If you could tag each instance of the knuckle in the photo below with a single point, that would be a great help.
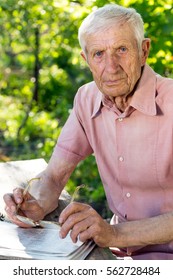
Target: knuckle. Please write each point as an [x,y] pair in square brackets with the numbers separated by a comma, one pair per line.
[76,228]
[82,237]
[17,191]
[70,219]
[92,211]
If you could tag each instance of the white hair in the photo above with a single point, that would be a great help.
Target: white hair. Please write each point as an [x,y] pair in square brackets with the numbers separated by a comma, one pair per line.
[108,15]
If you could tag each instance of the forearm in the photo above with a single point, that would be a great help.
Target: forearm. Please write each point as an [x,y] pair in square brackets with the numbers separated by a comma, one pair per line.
[51,182]
[156,230]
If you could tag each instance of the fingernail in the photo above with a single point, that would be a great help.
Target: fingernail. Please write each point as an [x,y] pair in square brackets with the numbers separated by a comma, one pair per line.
[18,200]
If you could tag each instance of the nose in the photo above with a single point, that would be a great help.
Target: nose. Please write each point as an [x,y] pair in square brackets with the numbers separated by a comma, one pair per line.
[112,63]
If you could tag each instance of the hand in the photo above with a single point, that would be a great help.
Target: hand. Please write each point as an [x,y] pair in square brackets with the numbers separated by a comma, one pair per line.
[29,207]
[85,223]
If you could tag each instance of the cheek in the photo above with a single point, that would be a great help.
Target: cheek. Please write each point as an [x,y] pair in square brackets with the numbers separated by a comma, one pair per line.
[134,70]
[134,77]
[96,68]
[97,71]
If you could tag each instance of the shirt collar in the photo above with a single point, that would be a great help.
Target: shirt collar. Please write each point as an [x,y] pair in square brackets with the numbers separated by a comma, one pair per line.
[143,99]
[98,105]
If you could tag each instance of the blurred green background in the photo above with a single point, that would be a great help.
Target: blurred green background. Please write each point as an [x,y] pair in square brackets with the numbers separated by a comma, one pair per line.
[41,70]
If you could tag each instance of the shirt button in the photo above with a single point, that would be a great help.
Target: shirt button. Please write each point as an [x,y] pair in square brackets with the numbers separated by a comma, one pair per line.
[128,195]
[121,158]
[120,119]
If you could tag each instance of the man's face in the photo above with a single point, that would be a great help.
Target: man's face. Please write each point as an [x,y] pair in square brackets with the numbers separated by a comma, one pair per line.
[115,60]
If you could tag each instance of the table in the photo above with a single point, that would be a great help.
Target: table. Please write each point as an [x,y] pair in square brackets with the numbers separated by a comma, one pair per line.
[17,173]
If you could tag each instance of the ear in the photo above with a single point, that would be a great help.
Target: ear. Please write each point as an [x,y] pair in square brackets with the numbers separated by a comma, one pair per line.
[145,50]
[83,55]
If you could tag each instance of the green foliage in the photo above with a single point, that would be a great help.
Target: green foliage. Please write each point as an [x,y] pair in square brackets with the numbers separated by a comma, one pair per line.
[87,173]
[158,18]
[41,70]
[37,138]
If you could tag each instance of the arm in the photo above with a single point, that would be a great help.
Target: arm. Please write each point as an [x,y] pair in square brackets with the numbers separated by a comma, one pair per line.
[48,189]
[43,194]
[86,223]
[149,231]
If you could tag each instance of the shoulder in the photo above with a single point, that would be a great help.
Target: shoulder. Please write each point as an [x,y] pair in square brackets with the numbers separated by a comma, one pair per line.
[164,85]
[164,91]
[88,92]
[87,97]
[87,101]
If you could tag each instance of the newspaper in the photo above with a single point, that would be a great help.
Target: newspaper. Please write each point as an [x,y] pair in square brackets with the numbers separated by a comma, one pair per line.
[39,243]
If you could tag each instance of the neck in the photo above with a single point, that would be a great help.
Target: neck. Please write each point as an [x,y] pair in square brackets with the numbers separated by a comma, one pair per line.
[122,102]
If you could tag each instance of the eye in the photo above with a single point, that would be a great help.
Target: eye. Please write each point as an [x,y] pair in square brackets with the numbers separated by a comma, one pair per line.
[122,50]
[98,54]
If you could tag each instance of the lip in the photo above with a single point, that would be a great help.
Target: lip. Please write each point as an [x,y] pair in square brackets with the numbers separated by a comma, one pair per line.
[112,82]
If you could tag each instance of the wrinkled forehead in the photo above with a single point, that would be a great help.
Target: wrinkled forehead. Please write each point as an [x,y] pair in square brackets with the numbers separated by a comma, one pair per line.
[112,35]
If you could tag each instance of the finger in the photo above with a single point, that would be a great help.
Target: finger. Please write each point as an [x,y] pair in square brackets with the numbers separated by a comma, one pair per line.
[30,205]
[101,233]
[79,229]
[18,195]
[75,227]
[85,235]
[10,203]
[19,223]
[29,208]
[72,208]
[77,221]
[12,217]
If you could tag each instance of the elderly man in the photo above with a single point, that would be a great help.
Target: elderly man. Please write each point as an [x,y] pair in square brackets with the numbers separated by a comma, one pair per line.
[124,117]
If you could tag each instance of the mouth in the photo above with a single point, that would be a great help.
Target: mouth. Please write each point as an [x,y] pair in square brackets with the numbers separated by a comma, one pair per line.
[113,82]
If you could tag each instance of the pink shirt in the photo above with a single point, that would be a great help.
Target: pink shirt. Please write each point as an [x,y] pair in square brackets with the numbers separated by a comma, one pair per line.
[133,150]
